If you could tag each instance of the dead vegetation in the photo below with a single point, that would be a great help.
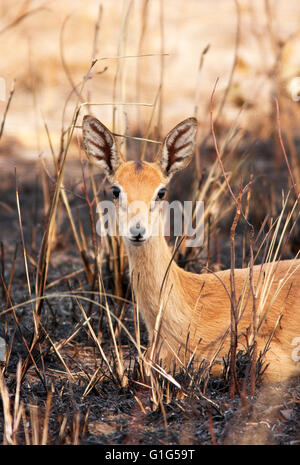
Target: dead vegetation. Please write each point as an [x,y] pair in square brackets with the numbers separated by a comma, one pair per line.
[72,366]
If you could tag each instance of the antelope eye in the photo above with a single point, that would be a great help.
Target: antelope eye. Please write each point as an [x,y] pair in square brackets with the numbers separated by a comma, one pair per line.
[161,193]
[116,192]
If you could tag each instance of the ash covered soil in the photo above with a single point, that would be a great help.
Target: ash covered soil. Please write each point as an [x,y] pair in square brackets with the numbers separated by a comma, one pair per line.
[88,403]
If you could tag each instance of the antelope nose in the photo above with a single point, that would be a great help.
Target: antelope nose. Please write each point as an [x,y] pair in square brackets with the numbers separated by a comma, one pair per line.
[137,231]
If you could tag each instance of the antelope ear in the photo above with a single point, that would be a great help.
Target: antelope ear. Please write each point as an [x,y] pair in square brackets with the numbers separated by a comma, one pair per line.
[100,145]
[178,147]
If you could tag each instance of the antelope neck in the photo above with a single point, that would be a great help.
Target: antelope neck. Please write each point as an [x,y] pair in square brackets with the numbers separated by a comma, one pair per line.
[151,260]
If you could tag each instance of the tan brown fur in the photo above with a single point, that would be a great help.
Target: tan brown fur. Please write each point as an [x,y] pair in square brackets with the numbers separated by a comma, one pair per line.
[197,307]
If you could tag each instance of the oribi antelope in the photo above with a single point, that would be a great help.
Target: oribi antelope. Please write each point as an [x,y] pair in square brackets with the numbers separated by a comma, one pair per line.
[194,309]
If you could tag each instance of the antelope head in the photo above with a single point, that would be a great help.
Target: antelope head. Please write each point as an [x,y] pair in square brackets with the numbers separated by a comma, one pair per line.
[139,187]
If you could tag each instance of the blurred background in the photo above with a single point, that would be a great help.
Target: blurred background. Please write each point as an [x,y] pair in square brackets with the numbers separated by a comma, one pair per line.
[166,52]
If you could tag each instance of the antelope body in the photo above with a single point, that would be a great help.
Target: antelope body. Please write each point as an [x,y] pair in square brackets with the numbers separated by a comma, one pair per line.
[187,313]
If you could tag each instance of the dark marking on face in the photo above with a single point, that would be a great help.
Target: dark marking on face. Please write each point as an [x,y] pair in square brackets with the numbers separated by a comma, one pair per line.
[138,165]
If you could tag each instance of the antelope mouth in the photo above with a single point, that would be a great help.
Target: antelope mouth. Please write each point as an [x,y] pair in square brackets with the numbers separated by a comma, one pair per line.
[137,242]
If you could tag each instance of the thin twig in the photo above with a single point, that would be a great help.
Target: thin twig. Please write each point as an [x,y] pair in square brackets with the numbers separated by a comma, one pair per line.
[237,41]
[12,91]
[63,60]
[216,145]
[234,304]
[283,148]
[16,21]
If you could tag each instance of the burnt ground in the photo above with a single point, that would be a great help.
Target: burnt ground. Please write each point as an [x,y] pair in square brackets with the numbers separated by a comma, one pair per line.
[109,413]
